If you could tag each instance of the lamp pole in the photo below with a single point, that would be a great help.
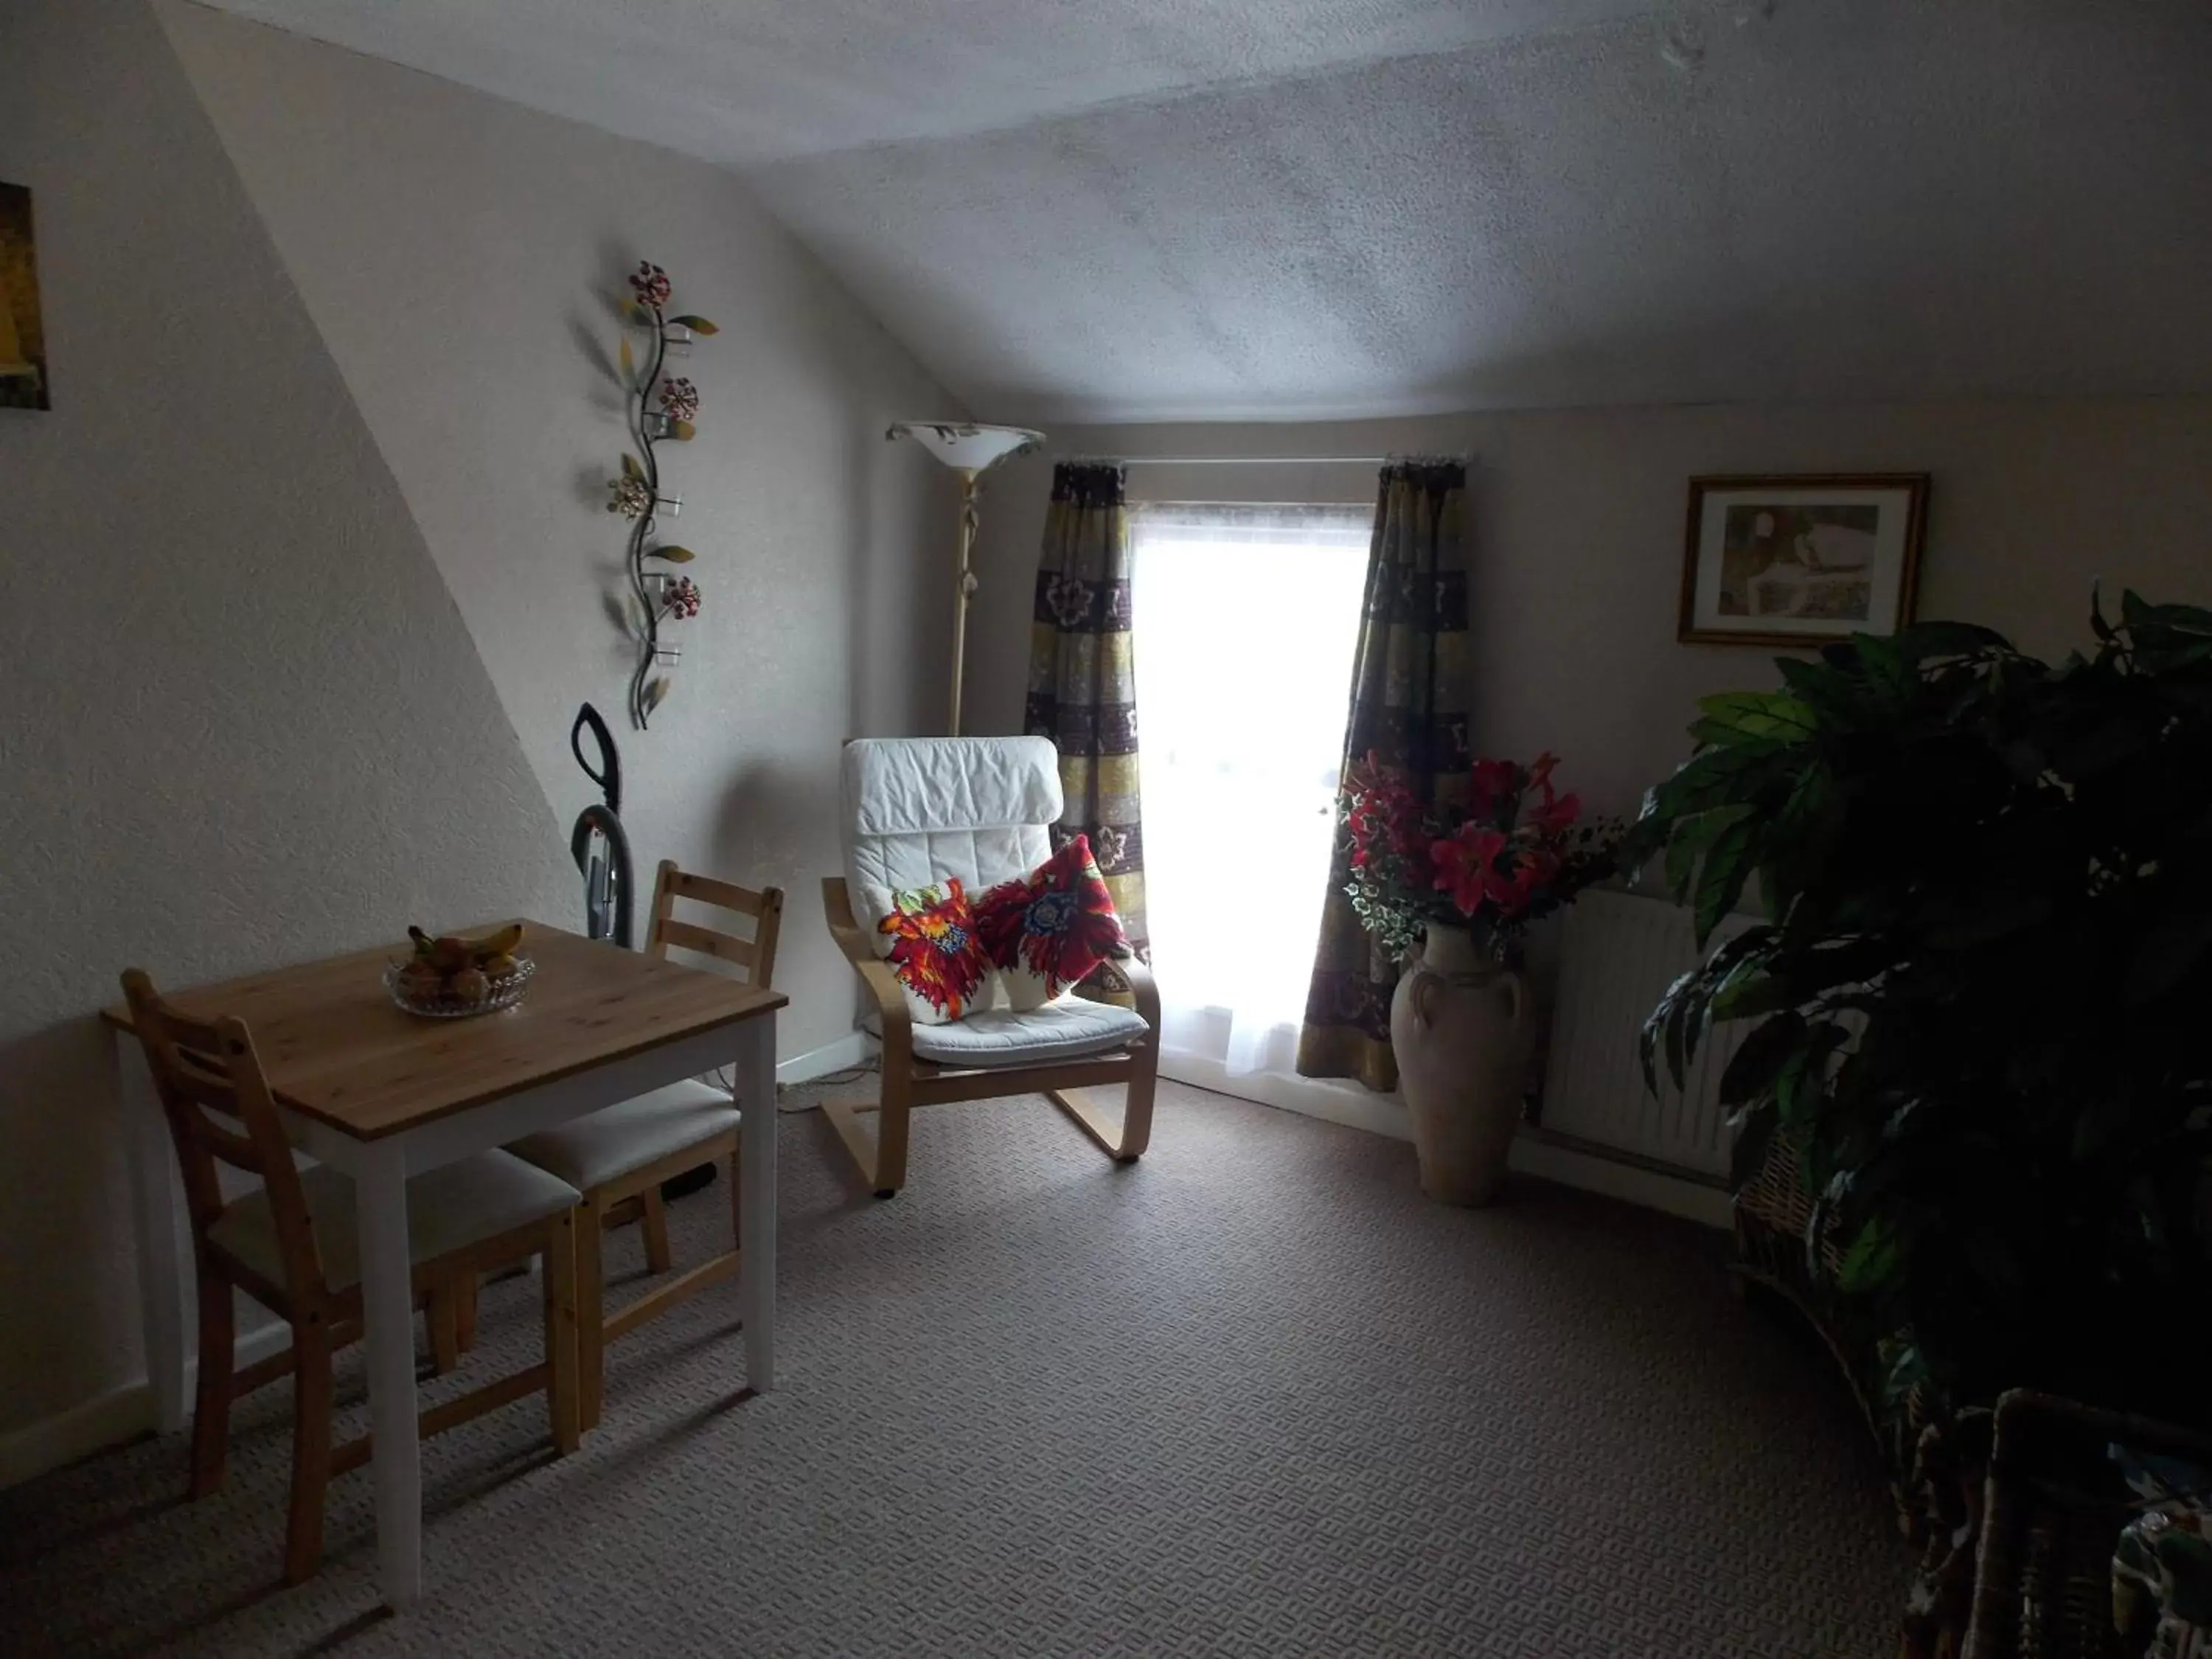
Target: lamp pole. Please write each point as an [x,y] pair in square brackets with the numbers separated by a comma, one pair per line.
[969,451]
[964,585]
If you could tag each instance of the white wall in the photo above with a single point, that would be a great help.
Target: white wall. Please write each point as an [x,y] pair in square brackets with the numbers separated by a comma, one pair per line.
[241,722]
[1577,541]
[461,257]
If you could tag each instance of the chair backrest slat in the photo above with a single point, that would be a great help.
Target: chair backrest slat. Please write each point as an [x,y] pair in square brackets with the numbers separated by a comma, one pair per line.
[725,895]
[705,940]
[765,907]
[209,1078]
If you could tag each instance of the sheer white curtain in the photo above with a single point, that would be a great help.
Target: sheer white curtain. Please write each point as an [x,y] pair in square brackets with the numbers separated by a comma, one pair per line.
[1246,618]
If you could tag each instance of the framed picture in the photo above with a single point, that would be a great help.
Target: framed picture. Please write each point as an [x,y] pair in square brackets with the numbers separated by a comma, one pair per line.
[1796,560]
[22,331]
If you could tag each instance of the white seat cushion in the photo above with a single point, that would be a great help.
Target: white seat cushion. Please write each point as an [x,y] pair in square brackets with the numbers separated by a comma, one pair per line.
[590,1151]
[1025,1036]
[447,1208]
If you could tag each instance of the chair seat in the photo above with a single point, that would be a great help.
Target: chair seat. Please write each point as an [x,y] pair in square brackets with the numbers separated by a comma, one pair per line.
[1066,1029]
[610,1143]
[447,1209]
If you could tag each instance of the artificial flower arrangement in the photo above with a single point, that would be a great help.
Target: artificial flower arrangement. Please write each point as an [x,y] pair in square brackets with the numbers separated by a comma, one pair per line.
[1516,851]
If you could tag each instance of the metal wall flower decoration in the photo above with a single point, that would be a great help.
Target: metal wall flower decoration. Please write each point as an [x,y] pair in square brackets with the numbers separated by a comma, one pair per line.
[661,408]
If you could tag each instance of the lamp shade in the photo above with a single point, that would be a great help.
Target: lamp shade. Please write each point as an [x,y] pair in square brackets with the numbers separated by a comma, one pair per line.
[965,445]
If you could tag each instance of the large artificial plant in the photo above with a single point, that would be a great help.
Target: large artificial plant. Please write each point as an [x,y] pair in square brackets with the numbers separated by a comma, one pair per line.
[1984,987]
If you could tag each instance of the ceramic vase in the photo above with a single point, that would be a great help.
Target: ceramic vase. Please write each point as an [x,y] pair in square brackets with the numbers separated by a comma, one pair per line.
[1463,1032]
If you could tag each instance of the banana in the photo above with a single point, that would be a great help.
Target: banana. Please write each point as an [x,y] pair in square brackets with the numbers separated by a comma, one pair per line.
[500,943]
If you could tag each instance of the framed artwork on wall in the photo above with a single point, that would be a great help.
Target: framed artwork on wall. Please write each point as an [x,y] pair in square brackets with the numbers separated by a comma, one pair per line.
[22,329]
[1798,559]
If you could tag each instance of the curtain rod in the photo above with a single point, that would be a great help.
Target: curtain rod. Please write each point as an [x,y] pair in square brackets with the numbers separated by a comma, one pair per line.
[1254,460]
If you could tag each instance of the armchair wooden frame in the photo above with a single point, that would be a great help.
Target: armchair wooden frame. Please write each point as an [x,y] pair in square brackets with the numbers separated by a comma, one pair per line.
[206,1072]
[880,1154]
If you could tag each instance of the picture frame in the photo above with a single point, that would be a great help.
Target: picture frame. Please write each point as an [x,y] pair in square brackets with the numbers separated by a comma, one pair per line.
[1800,558]
[23,380]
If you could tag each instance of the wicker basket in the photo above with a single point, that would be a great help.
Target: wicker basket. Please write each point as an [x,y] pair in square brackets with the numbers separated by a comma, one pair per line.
[2055,1503]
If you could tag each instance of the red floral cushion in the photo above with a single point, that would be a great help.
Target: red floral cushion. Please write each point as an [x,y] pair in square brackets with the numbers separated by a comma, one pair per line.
[935,952]
[1046,931]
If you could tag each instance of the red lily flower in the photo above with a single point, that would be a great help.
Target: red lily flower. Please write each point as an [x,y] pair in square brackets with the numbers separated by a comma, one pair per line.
[1494,783]
[1462,862]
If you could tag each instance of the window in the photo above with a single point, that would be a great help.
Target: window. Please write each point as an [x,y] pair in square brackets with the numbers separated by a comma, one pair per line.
[1246,618]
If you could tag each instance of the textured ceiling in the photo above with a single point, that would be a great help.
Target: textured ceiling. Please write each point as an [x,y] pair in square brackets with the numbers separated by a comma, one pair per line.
[1283,209]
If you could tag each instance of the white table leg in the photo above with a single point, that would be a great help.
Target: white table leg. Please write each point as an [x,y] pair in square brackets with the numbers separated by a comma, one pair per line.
[756,1076]
[387,1309]
[165,1289]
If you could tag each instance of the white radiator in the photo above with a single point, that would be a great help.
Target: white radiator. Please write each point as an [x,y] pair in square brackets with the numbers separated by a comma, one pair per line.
[1620,952]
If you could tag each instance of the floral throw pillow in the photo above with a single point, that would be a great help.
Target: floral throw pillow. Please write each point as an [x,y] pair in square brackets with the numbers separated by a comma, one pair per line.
[934,952]
[1046,931]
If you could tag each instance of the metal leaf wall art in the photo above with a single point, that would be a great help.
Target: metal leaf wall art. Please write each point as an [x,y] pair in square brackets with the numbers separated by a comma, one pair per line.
[661,408]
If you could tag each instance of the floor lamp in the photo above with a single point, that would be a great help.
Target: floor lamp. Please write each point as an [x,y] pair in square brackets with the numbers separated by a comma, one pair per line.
[971,451]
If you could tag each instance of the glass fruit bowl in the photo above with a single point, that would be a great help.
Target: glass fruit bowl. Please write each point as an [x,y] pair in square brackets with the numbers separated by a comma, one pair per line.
[501,991]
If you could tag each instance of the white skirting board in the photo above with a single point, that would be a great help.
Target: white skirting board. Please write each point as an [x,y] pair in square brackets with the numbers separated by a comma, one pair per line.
[122,1413]
[1385,1114]
[1310,1096]
[849,1050]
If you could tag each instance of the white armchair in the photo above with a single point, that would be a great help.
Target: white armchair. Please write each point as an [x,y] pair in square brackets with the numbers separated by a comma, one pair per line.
[918,810]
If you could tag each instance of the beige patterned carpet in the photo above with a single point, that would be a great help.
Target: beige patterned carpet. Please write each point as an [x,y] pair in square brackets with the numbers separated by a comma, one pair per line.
[1253,1396]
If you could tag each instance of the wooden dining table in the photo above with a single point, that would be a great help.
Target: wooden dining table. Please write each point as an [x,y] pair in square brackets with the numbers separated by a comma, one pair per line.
[383,1095]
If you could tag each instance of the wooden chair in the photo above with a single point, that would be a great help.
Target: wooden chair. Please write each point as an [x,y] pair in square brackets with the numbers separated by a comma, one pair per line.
[619,1157]
[917,811]
[292,1247]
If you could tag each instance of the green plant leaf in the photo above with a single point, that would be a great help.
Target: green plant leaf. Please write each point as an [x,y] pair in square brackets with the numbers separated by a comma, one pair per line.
[656,694]
[1870,1260]
[631,467]
[673,555]
[1753,996]
[682,431]
[1771,1045]
[1773,714]
[697,325]
[1693,836]
[1654,1039]
[1726,867]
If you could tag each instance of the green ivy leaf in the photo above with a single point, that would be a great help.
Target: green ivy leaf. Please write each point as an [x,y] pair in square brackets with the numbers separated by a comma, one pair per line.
[697,325]
[673,555]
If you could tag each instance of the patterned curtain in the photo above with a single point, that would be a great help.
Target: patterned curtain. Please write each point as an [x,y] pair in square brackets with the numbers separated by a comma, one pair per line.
[1083,687]
[1409,705]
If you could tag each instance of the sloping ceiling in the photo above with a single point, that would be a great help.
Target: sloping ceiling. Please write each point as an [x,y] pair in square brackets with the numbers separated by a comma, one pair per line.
[1286,208]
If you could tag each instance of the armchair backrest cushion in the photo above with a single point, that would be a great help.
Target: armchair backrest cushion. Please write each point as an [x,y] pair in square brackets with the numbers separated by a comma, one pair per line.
[919,809]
